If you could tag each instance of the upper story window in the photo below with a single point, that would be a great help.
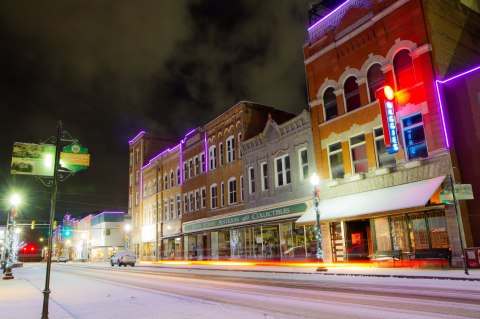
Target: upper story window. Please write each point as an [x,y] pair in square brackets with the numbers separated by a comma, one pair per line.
[130,180]
[197,165]
[240,145]
[131,159]
[202,163]
[191,202]
[136,199]
[178,175]
[230,149]
[242,199]
[159,183]
[220,154]
[303,161]
[137,177]
[403,68]
[335,156]
[185,203]
[213,196]
[264,170]
[232,191]
[172,179]
[414,136]
[282,169]
[358,151]
[330,104]
[190,168]
[352,94]
[172,208]
[203,195]
[138,156]
[165,209]
[165,182]
[222,194]
[185,170]
[212,157]
[251,180]
[375,80]
[179,208]
[383,158]
[197,200]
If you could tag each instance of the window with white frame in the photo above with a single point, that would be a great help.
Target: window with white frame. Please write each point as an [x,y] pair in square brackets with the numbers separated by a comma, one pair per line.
[230,149]
[138,155]
[202,163]
[239,145]
[179,206]
[190,167]
[165,209]
[165,181]
[145,190]
[172,179]
[131,159]
[213,196]
[130,200]
[303,160]
[137,177]
[414,136]
[220,151]
[264,172]
[242,196]
[282,169]
[172,208]
[178,176]
[383,158]
[185,203]
[251,180]
[203,194]
[222,194]
[191,202]
[185,170]
[197,165]
[335,156]
[136,199]
[197,200]
[212,157]
[232,191]
[130,180]
[358,153]
[159,182]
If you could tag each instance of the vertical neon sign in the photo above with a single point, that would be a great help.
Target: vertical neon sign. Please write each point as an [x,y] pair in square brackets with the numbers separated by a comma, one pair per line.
[386,99]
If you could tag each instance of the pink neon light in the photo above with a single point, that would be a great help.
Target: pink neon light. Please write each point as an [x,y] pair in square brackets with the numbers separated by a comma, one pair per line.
[181,163]
[325,17]
[137,136]
[440,100]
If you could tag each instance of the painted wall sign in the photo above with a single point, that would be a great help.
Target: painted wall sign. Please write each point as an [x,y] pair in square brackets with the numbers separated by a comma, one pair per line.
[244,218]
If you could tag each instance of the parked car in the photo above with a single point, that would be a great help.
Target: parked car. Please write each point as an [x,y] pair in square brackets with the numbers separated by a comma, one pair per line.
[62,259]
[124,258]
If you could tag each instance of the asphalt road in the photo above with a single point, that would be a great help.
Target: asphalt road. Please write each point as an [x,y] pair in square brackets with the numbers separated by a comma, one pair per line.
[260,294]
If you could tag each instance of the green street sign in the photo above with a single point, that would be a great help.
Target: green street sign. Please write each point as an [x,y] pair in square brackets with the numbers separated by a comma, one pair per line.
[74,157]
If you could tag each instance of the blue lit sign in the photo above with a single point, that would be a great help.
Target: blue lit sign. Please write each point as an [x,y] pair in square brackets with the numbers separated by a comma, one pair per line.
[392,127]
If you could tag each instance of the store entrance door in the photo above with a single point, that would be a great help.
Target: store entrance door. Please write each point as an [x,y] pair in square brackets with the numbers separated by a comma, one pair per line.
[357,239]
[271,245]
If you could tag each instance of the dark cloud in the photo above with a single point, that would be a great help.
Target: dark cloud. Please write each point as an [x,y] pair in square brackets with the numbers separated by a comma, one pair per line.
[110,69]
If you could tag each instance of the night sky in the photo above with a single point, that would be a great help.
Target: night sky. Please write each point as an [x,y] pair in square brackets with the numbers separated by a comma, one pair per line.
[109,69]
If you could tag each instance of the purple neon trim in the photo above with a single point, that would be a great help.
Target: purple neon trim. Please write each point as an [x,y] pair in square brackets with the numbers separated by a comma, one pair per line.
[440,100]
[460,75]
[181,163]
[112,213]
[138,135]
[441,113]
[191,132]
[335,10]
[205,148]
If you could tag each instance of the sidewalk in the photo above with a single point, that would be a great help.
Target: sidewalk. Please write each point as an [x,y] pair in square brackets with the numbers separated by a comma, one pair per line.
[365,270]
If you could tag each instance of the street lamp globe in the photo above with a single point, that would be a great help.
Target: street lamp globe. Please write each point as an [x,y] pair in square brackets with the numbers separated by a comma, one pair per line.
[15,200]
[314,180]
[127,227]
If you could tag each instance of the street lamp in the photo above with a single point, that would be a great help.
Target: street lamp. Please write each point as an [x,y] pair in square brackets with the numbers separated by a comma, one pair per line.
[127,228]
[8,253]
[316,198]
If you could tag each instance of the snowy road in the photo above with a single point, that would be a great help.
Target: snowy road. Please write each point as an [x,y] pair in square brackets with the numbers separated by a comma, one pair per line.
[93,291]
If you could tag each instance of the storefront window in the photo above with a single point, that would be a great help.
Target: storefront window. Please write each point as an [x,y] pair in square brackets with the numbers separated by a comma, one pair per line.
[224,244]
[399,233]
[418,231]
[437,225]
[382,234]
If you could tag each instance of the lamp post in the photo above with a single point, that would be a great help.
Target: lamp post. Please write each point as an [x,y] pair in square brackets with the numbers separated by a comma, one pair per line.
[127,228]
[8,256]
[316,198]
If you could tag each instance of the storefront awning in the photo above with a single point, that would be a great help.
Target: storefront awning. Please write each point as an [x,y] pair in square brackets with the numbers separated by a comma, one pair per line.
[403,196]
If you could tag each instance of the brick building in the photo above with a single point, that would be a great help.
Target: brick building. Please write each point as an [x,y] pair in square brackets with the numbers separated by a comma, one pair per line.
[373,198]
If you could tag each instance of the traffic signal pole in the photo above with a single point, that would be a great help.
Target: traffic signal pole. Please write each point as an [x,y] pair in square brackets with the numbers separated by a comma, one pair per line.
[46,291]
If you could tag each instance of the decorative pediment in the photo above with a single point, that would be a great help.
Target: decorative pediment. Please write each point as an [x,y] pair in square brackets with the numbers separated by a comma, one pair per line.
[271,131]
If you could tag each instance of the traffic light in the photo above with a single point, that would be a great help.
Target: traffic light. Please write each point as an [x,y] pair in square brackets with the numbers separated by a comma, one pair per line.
[54,224]
[32,226]
[387,102]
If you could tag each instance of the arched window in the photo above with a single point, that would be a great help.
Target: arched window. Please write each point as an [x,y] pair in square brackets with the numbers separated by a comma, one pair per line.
[330,104]
[352,94]
[375,80]
[403,68]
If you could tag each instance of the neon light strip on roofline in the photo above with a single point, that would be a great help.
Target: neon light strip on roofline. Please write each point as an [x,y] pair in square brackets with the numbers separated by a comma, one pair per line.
[440,100]
[328,15]
[137,136]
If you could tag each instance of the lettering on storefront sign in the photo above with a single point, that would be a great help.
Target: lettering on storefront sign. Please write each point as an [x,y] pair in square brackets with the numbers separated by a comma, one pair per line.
[248,217]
